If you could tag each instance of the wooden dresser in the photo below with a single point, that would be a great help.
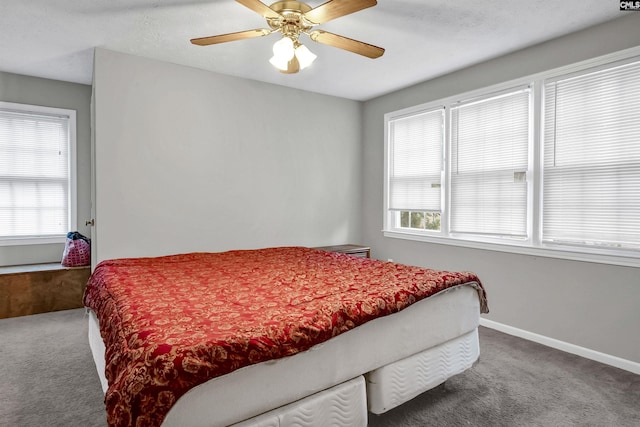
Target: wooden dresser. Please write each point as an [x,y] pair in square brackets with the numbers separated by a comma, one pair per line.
[355,250]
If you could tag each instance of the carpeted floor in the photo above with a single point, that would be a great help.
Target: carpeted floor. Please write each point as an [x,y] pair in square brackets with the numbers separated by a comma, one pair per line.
[47,378]
[47,375]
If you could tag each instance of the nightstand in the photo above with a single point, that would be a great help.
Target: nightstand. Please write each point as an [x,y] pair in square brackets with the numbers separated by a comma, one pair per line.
[355,250]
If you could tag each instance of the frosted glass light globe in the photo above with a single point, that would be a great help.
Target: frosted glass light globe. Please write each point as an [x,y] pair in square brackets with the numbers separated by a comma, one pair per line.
[283,49]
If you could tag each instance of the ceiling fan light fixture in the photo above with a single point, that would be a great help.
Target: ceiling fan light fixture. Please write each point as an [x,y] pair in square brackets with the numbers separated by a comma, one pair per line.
[279,63]
[293,66]
[305,56]
[283,49]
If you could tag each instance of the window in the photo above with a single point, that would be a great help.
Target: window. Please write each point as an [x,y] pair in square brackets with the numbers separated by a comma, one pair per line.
[591,186]
[415,171]
[37,173]
[489,165]
[489,170]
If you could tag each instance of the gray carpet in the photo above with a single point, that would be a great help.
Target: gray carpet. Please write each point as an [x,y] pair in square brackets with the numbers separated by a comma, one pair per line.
[47,378]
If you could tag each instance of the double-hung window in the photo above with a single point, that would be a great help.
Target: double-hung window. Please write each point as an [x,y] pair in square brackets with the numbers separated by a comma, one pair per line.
[415,169]
[546,165]
[37,173]
[489,165]
[591,184]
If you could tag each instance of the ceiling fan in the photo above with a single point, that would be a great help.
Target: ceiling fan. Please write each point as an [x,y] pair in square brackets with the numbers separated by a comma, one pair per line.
[293,18]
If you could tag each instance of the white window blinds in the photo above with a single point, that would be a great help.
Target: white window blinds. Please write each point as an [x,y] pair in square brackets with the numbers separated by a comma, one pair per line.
[489,165]
[591,181]
[415,166]
[34,174]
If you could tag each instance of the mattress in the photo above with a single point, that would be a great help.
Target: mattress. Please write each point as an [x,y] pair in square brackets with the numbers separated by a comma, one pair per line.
[259,388]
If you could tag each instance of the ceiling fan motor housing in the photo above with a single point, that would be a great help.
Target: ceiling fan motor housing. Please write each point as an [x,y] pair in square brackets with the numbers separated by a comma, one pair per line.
[292,21]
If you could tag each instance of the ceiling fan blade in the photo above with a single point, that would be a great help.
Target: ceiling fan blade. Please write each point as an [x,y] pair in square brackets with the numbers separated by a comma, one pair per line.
[341,42]
[223,38]
[259,7]
[336,8]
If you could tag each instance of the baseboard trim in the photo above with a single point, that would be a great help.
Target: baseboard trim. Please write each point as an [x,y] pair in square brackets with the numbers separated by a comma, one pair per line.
[607,359]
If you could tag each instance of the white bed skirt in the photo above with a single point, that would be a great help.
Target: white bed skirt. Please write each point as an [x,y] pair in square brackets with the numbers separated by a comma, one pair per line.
[401,381]
[257,389]
[341,405]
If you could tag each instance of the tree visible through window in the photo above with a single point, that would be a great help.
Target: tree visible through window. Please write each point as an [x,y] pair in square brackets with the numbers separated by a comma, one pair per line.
[420,220]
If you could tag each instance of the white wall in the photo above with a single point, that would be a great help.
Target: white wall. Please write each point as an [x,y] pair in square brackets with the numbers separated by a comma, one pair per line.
[53,93]
[188,160]
[590,305]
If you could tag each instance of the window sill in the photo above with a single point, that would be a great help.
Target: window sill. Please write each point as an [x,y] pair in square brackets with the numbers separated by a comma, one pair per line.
[30,268]
[559,253]
[32,241]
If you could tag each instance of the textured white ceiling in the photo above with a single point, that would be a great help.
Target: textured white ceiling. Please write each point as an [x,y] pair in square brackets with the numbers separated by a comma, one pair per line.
[423,38]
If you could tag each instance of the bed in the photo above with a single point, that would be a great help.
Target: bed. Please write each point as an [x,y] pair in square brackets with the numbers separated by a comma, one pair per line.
[308,337]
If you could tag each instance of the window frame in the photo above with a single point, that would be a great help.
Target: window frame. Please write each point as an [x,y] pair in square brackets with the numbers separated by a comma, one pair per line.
[72,166]
[433,107]
[533,245]
[488,96]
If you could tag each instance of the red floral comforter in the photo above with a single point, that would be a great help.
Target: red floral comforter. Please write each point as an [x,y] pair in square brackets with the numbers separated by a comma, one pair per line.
[171,323]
